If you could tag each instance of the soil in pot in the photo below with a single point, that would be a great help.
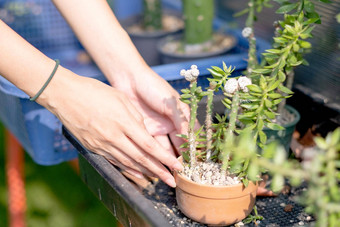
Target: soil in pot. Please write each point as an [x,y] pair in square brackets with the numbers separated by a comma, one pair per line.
[216,200]
[173,49]
[146,40]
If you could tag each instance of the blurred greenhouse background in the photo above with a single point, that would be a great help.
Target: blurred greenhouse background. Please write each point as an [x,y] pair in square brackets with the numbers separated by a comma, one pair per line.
[56,196]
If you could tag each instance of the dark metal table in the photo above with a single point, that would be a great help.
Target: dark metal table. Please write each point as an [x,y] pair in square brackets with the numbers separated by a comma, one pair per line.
[156,205]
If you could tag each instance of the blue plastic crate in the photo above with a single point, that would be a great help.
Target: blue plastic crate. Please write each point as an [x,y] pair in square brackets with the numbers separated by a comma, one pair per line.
[38,130]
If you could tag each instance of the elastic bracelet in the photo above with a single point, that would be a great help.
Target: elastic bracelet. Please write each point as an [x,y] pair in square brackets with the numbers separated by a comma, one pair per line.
[47,82]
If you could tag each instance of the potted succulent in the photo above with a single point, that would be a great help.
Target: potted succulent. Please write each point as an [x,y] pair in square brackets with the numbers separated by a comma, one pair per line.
[153,24]
[253,104]
[198,39]
[212,179]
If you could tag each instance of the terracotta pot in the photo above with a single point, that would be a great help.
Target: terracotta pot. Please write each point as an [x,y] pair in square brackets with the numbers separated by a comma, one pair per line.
[214,205]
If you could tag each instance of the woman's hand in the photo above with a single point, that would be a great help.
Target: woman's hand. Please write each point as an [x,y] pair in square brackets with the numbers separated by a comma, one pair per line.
[163,112]
[107,123]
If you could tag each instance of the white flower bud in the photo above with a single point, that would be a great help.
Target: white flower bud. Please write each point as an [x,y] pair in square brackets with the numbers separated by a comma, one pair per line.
[247,31]
[188,76]
[195,72]
[193,67]
[231,86]
[182,73]
[243,82]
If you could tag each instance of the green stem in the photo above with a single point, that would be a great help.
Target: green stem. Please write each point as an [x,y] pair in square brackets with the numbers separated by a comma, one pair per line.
[233,114]
[252,59]
[152,15]
[289,84]
[208,122]
[193,115]
[231,128]
[198,17]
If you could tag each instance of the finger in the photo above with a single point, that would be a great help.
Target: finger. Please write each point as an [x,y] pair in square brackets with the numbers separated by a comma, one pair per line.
[123,161]
[165,142]
[179,114]
[127,169]
[148,144]
[148,161]
[264,192]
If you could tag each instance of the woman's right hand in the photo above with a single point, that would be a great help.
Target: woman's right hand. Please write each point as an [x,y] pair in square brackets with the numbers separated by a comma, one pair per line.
[107,123]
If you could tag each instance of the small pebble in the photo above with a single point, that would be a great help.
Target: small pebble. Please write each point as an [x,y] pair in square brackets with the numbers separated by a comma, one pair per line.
[288,208]
[301,223]
[308,218]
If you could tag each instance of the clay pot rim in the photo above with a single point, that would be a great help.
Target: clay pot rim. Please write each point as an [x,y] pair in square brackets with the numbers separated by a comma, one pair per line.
[207,185]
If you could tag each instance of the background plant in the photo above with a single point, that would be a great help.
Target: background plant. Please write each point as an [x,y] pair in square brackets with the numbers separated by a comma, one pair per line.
[152,15]
[321,173]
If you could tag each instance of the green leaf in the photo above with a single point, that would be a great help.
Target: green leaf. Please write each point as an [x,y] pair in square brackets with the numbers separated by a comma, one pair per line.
[282,76]
[215,74]
[250,106]
[305,44]
[309,7]
[254,88]
[199,130]
[186,96]
[227,100]
[242,12]
[277,182]
[184,145]
[282,63]
[286,8]
[245,182]
[218,69]
[227,105]
[290,29]
[274,95]
[263,137]
[274,51]
[186,156]
[274,126]
[268,103]
[274,85]
[261,71]
[276,101]
[285,90]
[321,143]
[186,101]
[269,114]
[182,136]
[185,91]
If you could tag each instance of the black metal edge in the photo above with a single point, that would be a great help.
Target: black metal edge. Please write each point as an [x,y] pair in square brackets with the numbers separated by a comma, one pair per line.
[119,183]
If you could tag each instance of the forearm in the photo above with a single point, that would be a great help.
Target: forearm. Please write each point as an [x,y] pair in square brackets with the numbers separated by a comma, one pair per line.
[28,68]
[101,34]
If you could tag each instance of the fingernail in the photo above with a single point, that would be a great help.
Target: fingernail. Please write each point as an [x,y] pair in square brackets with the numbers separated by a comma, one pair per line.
[178,166]
[171,182]
[139,175]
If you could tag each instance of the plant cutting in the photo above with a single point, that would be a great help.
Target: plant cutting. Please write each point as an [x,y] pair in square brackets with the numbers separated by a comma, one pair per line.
[198,40]
[153,24]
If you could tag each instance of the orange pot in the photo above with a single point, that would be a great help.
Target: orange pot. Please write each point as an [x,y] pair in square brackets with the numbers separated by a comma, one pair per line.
[214,205]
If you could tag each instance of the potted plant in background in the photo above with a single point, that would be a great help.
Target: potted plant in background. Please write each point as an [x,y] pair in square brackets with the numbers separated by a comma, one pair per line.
[288,48]
[153,24]
[199,40]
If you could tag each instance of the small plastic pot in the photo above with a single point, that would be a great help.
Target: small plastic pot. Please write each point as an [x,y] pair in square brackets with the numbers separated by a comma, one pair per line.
[214,205]
[284,136]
